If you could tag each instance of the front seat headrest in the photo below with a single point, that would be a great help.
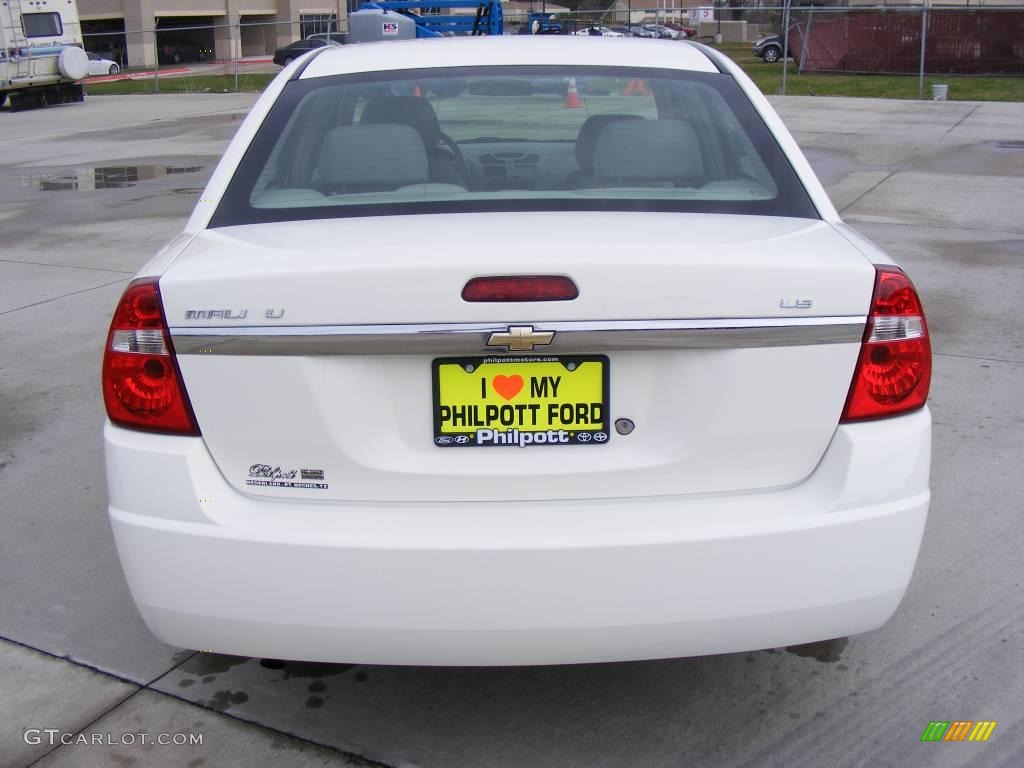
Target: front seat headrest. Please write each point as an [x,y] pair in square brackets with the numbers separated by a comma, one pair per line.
[413,111]
[372,157]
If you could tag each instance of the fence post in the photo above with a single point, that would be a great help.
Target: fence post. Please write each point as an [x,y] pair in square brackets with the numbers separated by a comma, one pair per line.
[156,62]
[924,39]
[807,39]
[785,45]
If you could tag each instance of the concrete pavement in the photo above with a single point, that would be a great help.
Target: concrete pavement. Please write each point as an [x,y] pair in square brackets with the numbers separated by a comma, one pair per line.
[931,182]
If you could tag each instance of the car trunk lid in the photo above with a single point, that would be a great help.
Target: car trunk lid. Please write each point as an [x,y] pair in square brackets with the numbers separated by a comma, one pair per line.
[308,349]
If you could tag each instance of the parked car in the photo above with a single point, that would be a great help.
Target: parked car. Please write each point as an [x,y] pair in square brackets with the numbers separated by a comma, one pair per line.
[680,30]
[633,31]
[435,384]
[598,31]
[637,30]
[663,32]
[183,51]
[769,48]
[286,55]
[101,66]
[341,38]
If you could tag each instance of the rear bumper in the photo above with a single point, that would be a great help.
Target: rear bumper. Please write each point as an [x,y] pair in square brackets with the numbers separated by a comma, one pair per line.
[519,583]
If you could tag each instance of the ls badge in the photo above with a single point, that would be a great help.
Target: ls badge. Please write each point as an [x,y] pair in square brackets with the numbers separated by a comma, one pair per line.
[796,303]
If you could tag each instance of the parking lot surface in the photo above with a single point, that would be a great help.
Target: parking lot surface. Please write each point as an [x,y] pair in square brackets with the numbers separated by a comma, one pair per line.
[88,192]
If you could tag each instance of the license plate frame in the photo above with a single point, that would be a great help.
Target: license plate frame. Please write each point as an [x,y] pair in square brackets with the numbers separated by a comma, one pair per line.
[528,368]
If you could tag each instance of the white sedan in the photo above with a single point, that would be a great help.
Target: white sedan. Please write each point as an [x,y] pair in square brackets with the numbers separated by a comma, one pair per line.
[100,66]
[598,32]
[478,379]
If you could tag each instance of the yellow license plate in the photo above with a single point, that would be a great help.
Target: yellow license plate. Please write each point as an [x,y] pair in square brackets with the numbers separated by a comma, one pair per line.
[521,401]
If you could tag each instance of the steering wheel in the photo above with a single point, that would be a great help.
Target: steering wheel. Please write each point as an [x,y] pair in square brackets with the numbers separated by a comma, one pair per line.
[460,161]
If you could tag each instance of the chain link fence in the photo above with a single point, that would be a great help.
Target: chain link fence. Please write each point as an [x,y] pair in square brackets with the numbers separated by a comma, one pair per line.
[823,38]
[901,40]
[193,53]
[976,41]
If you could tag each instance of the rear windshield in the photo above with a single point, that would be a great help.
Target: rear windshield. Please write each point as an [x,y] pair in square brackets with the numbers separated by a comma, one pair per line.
[511,138]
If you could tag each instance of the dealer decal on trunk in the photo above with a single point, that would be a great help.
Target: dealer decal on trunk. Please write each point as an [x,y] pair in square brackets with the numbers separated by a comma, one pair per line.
[268,475]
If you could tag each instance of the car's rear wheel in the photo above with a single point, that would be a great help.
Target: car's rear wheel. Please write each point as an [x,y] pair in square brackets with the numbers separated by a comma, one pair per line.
[114,69]
[771,54]
[288,60]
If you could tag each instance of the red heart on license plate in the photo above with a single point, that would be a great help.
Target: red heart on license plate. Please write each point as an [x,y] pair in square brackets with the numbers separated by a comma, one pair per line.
[507,386]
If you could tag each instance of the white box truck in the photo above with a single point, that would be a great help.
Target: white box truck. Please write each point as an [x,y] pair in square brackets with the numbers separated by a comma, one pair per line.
[41,56]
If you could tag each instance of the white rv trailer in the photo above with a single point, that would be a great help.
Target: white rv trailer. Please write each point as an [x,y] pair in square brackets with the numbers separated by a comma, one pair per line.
[41,56]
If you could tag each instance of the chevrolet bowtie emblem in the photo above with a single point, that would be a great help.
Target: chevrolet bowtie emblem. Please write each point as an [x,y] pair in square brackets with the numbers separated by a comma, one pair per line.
[520,338]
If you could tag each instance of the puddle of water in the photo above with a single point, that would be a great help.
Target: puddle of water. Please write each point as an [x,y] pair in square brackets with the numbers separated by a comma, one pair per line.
[207,664]
[103,177]
[224,699]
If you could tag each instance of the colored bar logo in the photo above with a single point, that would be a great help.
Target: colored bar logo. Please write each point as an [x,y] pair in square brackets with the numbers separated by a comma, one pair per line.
[958,730]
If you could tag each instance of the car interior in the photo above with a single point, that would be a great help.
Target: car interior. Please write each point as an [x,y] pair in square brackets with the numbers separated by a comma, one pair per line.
[511,137]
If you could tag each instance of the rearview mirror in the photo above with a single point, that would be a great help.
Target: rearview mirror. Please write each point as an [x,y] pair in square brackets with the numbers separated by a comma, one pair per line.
[500,88]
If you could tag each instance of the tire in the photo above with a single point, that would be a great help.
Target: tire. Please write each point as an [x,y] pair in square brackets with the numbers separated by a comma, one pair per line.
[114,69]
[73,63]
[771,54]
[288,61]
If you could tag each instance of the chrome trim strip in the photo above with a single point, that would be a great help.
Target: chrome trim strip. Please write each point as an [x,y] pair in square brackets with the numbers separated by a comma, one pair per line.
[574,336]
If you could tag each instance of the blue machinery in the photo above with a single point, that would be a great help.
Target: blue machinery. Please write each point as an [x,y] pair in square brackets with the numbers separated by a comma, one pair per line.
[543,24]
[485,19]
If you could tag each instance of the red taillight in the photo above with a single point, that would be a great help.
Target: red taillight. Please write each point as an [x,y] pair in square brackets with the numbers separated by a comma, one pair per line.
[520,288]
[142,386]
[895,365]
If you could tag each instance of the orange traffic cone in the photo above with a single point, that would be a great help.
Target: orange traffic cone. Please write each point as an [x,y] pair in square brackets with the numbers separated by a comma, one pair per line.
[416,91]
[572,98]
[635,88]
